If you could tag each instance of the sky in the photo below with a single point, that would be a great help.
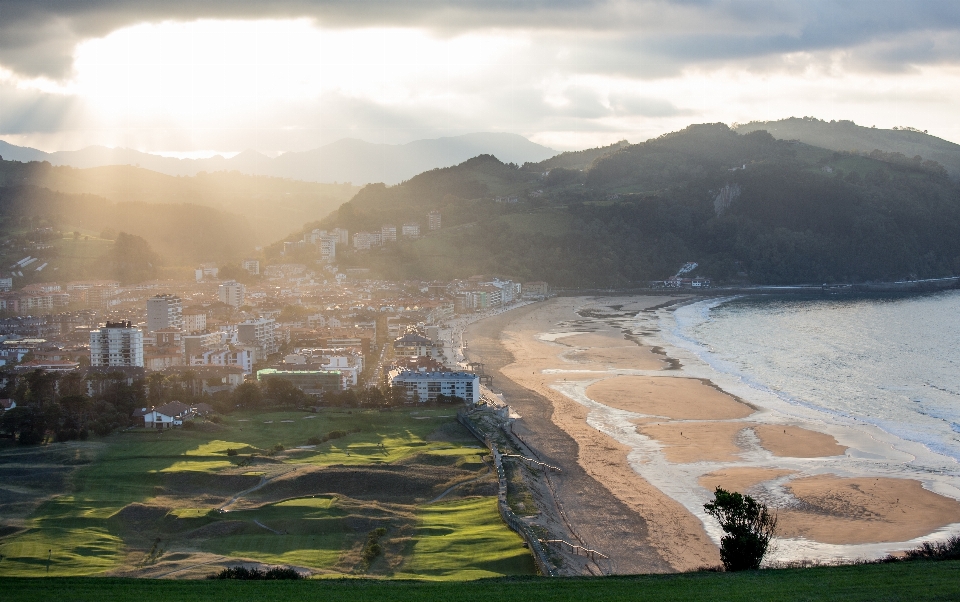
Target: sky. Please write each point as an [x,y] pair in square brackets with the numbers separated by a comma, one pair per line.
[198,77]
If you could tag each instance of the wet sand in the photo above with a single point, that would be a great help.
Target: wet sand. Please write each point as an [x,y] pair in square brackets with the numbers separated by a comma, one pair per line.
[864,510]
[689,422]
[797,442]
[676,398]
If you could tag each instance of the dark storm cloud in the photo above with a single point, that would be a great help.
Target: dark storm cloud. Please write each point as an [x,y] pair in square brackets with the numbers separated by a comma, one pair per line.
[646,37]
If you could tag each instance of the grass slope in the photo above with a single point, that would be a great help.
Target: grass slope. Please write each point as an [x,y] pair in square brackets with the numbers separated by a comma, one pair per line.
[916,582]
[144,487]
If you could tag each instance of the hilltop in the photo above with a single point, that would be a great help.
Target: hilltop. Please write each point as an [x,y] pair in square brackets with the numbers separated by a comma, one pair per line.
[847,136]
[747,207]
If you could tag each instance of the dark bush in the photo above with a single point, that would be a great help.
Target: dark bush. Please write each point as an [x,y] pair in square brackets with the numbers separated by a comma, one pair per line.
[245,574]
[314,441]
[942,550]
[748,526]
[231,452]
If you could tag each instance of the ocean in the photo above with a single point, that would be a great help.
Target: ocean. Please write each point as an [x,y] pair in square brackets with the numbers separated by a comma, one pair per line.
[889,362]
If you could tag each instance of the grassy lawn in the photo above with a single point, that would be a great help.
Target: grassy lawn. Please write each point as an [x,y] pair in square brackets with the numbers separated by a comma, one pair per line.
[84,532]
[914,582]
[465,539]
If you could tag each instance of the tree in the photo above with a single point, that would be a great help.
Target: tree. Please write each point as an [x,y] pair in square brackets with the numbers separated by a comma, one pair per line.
[748,525]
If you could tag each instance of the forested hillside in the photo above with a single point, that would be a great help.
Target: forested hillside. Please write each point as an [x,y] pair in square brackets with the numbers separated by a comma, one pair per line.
[748,208]
[846,135]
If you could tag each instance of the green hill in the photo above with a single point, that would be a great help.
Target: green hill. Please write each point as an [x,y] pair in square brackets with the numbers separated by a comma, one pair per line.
[847,136]
[746,207]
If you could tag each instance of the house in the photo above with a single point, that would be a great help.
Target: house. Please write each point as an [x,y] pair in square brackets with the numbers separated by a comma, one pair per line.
[7,404]
[168,415]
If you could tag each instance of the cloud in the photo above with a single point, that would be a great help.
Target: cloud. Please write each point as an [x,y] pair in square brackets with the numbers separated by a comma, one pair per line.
[644,37]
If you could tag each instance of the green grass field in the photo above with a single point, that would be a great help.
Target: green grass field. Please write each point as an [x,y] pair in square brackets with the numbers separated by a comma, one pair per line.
[122,500]
[914,582]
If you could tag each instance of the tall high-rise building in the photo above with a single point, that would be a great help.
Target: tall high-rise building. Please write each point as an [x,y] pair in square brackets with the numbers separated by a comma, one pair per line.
[116,344]
[433,219]
[231,293]
[164,311]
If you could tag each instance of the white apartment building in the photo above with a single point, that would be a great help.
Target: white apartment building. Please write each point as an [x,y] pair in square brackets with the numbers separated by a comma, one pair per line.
[411,230]
[328,246]
[240,357]
[251,265]
[388,234]
[260,332]
[433,220]
[164,311]
[424,386]
[365,240]
[231,293]
[194,321]
[116,344]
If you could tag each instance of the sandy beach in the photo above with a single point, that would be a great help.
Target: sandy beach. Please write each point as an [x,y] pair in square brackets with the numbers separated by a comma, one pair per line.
[655,441]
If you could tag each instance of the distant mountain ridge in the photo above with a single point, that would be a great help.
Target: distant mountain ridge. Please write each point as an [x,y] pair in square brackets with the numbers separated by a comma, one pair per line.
[346,160]
[846,135]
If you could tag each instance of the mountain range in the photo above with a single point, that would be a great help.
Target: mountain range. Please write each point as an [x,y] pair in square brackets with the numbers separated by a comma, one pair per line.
[346,160]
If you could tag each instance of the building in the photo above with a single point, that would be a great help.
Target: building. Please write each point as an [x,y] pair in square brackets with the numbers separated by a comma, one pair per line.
[411,230]
[312,382]
[260,333]
[536,289]
[231,293]
[343,236]
[426,386]
[164,311]
[194,320]
[328,246]
[205,271]
[240,357]
[413,345]
[388,234]
[433,220]
[252,266]
[364,240]
[116,344]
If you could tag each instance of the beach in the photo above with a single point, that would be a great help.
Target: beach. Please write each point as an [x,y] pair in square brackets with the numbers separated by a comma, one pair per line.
[643,436]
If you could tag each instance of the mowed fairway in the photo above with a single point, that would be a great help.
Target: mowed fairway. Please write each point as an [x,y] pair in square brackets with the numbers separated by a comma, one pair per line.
[176,504]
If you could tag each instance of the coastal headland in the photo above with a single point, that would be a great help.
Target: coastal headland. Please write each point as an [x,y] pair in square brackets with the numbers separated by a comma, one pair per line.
[642,443]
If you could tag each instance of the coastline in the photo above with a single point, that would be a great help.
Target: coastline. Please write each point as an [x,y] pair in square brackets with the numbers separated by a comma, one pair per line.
[655,433]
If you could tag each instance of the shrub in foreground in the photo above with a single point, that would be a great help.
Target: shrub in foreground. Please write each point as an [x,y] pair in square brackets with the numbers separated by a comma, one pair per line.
[748,525]
[244,574]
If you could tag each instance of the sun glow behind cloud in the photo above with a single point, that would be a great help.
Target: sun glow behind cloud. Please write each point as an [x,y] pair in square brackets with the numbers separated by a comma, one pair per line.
[214,72]
[280,85]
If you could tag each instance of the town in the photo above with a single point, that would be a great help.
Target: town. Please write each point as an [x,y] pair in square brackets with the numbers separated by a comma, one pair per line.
[325,332]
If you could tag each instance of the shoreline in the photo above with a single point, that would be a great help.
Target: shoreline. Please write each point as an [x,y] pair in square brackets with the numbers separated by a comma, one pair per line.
[658,450]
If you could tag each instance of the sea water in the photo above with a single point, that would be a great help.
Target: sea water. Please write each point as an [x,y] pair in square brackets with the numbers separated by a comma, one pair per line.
[890,362]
